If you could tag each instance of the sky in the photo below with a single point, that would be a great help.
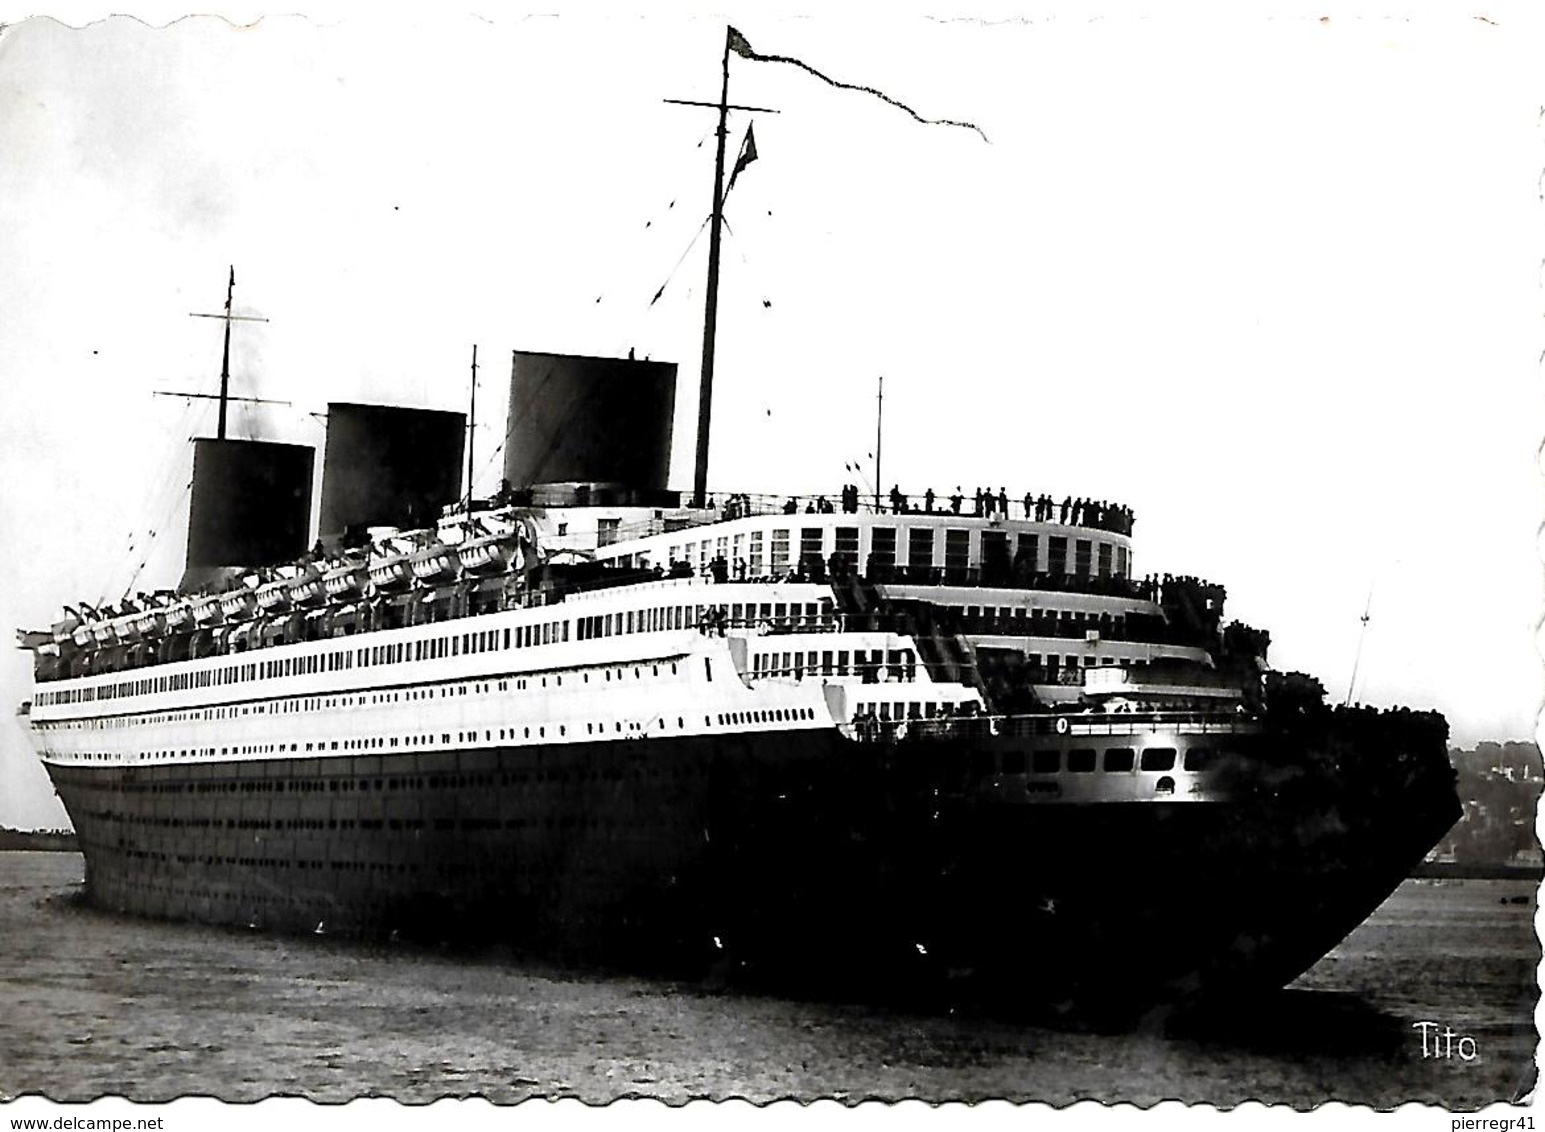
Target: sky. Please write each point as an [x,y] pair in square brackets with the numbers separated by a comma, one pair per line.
[1270,277]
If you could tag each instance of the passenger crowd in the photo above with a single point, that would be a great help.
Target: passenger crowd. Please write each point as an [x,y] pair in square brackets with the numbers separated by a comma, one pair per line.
[1097,514]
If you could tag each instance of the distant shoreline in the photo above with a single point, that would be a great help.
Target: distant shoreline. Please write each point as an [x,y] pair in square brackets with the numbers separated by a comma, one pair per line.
[1476,870]
[51,841]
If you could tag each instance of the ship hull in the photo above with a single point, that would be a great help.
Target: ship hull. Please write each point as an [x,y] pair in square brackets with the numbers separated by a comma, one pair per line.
[797,858]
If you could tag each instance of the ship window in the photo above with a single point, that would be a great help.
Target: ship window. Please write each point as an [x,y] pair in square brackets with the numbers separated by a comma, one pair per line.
[957,550]
[1057,554]
[920,546]
[1118,758]
[810,546]
[1159,758]
[1200,758]
[882,548]
[1081,557]
[1013,762]
[1046,761]
[1081,760]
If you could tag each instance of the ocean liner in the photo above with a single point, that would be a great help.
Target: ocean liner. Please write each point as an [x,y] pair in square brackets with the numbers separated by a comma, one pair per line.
[953,742]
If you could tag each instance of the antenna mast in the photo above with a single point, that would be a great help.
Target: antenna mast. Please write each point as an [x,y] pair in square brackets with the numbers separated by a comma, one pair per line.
[879,420]
[1361,637]
[225,360]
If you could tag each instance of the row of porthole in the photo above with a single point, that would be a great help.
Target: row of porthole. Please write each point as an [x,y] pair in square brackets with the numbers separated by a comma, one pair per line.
[1084,760]
[314,703]
[765,715]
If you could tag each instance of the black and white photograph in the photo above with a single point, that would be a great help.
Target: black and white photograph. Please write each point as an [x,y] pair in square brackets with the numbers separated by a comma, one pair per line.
[724,554]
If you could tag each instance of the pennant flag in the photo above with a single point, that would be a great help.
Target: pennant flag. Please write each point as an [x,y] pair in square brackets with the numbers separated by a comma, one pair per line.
[740,46]
[747,156]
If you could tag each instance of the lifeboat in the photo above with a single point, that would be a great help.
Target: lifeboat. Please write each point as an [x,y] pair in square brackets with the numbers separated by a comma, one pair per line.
[207,610]
[64,629]
[178,615]
[237,603]
[306,589]
[150,622]
[273,596]
[486,556]
[435,563]
[388,574]
[345,583]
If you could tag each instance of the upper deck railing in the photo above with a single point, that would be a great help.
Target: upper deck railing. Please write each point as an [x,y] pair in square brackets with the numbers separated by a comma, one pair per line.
[1098,515]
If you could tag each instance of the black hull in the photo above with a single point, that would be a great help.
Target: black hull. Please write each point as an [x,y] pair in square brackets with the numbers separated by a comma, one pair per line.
[796,856]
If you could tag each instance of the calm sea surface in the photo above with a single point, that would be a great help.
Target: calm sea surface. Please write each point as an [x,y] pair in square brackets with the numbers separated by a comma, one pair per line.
[94,1004]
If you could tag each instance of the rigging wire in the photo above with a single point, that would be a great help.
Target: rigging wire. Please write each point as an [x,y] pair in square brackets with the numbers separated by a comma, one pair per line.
[680,259]
[176,502]
[649,222]
[173,469]
[493,458]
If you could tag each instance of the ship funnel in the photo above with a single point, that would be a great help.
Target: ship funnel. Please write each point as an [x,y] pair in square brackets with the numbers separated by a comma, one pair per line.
[251,506]
[586,420]
[387,466]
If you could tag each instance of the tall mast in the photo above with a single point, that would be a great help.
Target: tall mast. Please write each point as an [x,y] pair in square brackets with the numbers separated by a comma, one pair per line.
[471,424]
[225,360]
[711,314]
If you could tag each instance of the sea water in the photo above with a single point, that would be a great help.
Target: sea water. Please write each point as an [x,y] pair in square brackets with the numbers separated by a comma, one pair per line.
[100,1004]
